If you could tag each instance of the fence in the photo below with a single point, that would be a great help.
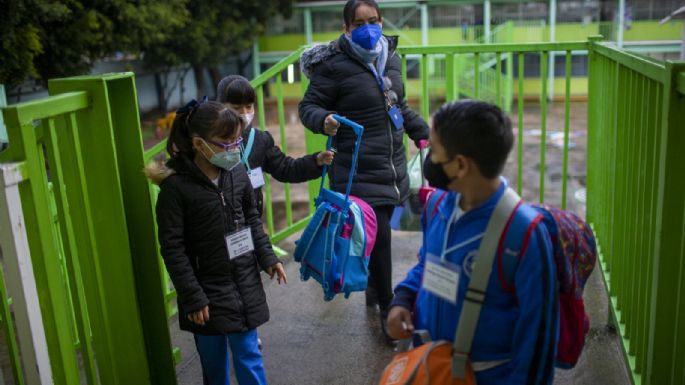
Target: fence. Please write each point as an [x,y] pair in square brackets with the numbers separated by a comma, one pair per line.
[101,306]
[453,53]
[106,303]
[636,205]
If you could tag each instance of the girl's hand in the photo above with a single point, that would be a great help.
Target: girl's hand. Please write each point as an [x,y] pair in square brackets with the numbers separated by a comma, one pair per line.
[200,317]
[325,157]
[330,125]
[400,325]
[277,269]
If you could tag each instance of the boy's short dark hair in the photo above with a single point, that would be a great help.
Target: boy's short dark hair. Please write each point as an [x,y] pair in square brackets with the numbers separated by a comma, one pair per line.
[478,130]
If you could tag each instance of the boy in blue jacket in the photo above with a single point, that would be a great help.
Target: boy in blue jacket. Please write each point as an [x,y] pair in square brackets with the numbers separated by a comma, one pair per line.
[516,334]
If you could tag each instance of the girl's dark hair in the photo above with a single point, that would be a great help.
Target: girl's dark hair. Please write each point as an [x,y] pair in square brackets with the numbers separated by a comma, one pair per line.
[478,130]
[235,89]
[205,119]
[351,9]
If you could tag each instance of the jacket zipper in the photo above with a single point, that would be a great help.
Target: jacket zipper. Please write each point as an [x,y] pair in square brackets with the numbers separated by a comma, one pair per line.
[392,164]
[392,146]
[241,306]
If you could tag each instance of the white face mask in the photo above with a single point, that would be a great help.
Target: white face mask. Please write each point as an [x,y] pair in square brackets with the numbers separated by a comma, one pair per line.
[247,118]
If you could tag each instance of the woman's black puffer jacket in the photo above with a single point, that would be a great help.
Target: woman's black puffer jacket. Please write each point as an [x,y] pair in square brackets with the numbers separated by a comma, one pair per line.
[344,85]
[193,216]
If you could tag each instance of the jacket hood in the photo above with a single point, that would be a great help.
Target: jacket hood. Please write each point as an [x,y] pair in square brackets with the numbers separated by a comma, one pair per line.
[321,52]
[157,171]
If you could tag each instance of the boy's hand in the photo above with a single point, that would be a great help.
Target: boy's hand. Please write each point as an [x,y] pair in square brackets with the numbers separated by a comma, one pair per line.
[330,125]
[325,157]
[200,317]
[277,269]
[400,325]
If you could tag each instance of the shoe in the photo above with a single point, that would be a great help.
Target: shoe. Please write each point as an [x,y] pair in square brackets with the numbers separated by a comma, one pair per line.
[371,296]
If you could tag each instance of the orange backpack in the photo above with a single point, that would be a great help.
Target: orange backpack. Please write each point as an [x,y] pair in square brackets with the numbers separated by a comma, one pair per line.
[443,362]
[430,363]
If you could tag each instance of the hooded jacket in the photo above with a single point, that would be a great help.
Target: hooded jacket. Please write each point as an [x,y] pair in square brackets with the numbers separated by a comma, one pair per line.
[342,84]
[193,218]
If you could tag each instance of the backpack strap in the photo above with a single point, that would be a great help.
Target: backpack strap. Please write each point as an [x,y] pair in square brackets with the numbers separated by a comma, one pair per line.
[248,147]
[433,202]
[514,243]
[475,294]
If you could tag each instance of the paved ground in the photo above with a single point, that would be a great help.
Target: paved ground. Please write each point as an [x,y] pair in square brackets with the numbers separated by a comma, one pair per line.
[309,341]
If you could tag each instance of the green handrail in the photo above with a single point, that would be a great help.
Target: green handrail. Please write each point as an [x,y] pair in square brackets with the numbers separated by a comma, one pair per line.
[499,51]
[635,195]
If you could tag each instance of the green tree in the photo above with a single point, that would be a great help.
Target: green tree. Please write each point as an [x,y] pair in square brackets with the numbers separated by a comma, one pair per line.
[44,39]
[215,31]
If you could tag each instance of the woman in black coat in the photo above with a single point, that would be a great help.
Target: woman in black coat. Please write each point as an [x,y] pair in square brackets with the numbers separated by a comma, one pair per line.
[358,76]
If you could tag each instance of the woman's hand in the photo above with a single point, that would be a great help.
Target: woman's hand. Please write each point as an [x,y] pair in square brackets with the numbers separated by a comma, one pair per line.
[325,157]
[200,317]
[277,269]
[330,125]
[400,325]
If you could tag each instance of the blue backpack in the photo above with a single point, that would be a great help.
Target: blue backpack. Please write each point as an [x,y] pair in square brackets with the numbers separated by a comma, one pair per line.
[336,244]
[575,256]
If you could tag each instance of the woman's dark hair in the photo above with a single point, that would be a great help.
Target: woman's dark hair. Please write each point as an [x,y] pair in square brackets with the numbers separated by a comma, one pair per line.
[235,89]
[351,9]
[478,130]
[204,119]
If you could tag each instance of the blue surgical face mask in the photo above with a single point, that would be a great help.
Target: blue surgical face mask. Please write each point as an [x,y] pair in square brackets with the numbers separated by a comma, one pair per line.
[225,159]
[367,35]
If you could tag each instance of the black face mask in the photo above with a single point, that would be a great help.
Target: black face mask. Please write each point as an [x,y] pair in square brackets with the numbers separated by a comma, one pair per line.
[435,175]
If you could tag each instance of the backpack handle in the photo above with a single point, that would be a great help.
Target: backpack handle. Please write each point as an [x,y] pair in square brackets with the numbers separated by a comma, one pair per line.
[358,130]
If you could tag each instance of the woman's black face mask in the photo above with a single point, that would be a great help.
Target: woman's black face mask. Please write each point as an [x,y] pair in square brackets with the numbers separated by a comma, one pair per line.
[435,175]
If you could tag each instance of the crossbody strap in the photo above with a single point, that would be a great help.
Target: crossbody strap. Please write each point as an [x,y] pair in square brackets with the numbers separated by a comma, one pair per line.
[475,294]
[248,147]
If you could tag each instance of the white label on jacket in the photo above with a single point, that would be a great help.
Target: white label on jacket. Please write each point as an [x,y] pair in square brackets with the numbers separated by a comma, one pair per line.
[239,242]
[256,177]
[441,278]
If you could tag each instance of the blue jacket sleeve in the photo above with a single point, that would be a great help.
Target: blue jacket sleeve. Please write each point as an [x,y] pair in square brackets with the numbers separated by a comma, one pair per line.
[535,334]
[407,290]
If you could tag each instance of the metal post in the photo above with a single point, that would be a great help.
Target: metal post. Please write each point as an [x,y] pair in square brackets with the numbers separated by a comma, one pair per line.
[255,58]
[552,39]
[424,34]
[424,23]
[3,130]
[486,20]
[621,22]
[21,282]
[308,25]
[682,48]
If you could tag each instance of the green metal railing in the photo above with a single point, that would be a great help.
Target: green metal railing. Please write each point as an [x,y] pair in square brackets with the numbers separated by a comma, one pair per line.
[453,53]
[104,294]
[97,295]
[636,197]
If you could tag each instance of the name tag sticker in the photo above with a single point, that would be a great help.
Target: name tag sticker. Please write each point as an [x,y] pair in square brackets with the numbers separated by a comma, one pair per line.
[256,177]
[441,278]
[239,243]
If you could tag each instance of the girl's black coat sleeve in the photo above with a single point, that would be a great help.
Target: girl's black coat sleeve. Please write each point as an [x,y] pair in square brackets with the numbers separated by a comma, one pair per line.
[170,220]
[285,168]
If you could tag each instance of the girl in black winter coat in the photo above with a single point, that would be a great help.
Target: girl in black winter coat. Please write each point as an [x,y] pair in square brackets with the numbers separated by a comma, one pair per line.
[358,76]
[212,241]
[264,155]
